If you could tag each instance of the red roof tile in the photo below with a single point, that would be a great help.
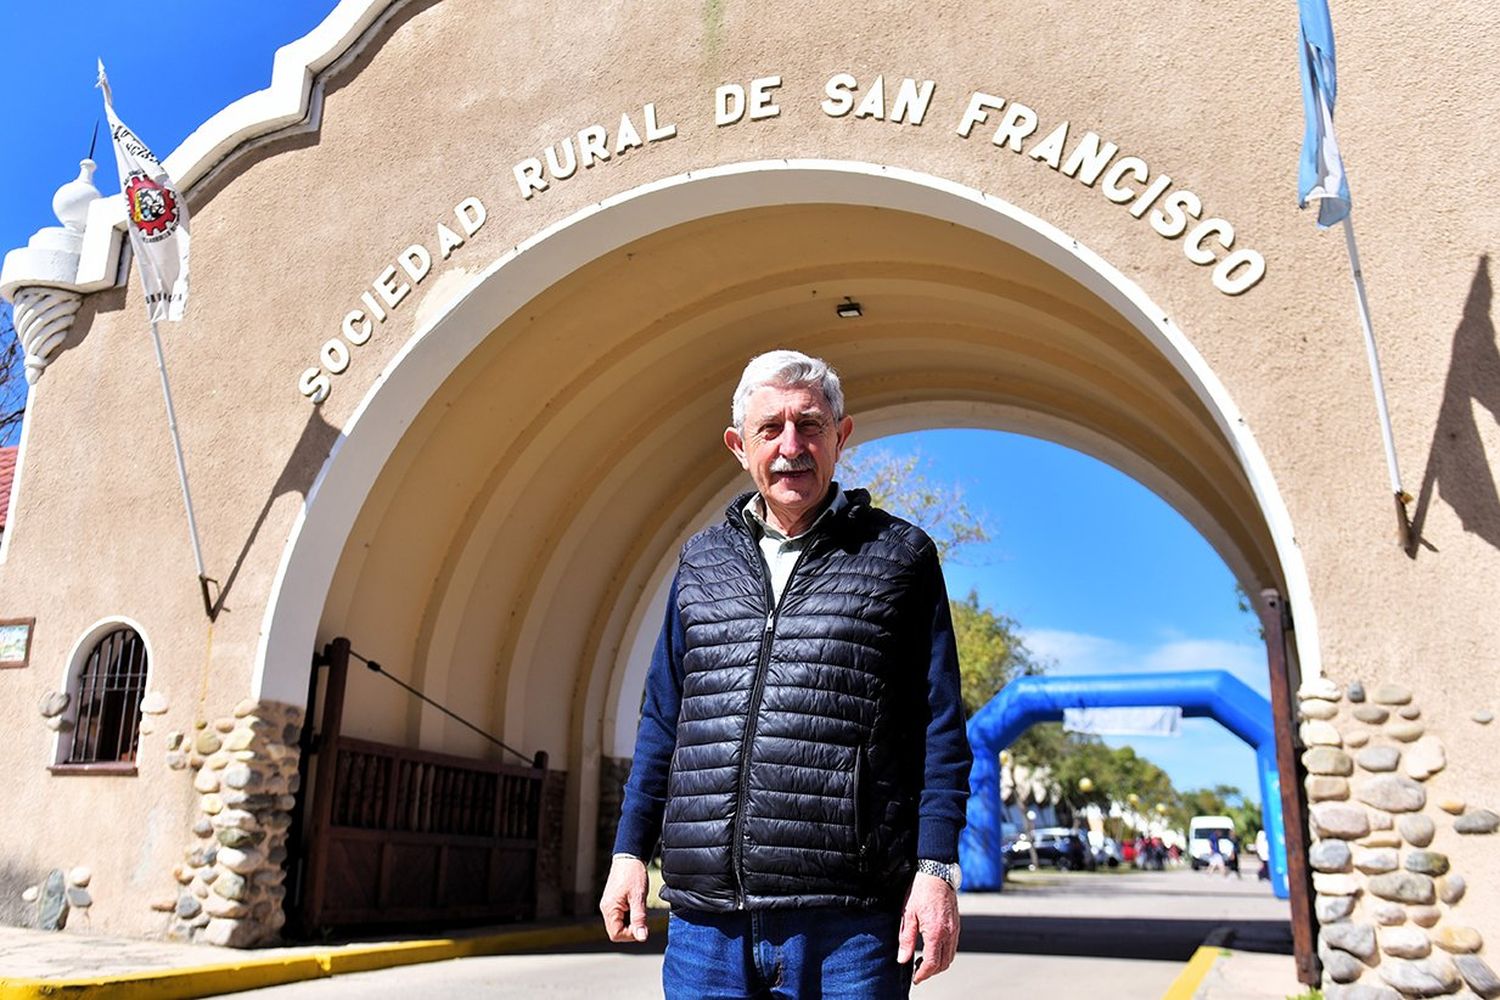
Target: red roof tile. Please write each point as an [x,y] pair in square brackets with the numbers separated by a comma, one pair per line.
[7,476]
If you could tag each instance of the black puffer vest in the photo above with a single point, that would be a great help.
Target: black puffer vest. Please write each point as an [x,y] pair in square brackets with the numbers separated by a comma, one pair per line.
[798,763]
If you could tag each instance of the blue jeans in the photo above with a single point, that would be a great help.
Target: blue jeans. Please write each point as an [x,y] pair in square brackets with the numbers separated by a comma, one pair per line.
[834,954]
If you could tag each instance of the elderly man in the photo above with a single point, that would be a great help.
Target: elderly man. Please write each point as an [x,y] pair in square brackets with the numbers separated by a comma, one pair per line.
[801,759]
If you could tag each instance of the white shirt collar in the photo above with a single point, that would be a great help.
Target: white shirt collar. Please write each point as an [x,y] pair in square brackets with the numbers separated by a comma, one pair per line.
[754,515]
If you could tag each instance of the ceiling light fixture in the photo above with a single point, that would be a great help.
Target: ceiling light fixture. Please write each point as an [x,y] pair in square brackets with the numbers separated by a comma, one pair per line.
[849,309]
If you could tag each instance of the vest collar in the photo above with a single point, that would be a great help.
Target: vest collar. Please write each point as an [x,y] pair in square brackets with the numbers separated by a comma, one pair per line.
[855,501]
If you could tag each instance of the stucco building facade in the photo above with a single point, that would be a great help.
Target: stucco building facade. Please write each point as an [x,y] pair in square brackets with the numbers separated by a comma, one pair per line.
[472,282]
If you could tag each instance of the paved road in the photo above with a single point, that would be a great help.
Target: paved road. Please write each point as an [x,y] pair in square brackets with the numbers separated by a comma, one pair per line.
[1121,936]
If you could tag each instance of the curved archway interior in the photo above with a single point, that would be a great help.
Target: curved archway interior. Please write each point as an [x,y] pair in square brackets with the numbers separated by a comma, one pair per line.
[495,518]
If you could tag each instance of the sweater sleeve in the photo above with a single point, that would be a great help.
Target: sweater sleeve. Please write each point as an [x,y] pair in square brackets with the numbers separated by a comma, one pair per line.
[646,789]
[945,785]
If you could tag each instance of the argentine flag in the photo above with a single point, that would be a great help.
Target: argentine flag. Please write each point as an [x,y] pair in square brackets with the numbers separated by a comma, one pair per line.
[1320,175]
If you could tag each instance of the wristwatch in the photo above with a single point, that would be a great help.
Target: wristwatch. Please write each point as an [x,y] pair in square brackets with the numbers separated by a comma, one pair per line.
[949,873]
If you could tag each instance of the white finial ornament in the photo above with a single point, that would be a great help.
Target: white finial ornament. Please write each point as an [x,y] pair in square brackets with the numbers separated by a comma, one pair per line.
[71,202]
[36,277]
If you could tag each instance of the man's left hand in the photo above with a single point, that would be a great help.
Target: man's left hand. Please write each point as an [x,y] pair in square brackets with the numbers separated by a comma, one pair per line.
[932,911]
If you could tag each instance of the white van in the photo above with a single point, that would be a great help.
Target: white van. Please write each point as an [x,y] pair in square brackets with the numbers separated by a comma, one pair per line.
[1202,831]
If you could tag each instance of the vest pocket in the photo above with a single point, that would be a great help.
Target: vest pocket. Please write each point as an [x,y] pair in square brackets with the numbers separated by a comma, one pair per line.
[861,805]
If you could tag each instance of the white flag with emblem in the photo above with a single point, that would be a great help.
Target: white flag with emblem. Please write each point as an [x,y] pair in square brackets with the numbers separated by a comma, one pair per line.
[156,216]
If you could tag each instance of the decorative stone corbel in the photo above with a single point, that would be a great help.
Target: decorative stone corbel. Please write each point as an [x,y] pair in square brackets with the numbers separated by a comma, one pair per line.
[40,278]
[43,317]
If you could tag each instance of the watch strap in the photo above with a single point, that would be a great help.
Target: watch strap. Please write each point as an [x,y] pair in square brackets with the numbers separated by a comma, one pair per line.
[939,869]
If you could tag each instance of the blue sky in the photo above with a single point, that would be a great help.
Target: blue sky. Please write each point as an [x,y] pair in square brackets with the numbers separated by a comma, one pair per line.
[172,65]
[1102,575]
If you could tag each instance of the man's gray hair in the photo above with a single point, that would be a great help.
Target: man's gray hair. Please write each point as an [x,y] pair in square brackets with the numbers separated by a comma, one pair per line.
[788,369]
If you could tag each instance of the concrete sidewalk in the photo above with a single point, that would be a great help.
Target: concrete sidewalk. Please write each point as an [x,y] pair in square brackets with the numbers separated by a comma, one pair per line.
[1216,973]
[1142,926]
[36,964]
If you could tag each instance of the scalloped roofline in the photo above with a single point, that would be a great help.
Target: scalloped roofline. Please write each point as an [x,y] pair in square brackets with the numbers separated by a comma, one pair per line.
[288,101]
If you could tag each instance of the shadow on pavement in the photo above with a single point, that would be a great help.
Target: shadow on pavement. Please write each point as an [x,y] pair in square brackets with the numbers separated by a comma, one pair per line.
[1106,937]
[1094,937]
[656,944]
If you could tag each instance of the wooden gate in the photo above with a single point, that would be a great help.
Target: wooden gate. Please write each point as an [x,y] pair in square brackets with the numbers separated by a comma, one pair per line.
[396,835]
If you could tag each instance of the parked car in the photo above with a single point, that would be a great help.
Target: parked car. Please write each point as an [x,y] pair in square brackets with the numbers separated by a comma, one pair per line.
[1062,851]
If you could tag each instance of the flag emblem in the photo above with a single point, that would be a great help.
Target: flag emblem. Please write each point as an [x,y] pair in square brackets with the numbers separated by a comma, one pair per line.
[157,218]
[152,207]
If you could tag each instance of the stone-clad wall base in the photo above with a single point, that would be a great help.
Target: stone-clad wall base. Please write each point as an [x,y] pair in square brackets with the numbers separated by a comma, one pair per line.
[231,878]
[1388,904]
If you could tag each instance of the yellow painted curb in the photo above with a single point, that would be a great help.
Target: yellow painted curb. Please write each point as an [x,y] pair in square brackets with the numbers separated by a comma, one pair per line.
[1193,974]
[253,973]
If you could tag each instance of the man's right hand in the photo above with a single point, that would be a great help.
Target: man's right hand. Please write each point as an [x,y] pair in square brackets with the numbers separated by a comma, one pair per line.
[624,901]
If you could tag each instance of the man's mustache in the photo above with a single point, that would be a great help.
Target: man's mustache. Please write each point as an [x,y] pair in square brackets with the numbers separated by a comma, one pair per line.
[802,463]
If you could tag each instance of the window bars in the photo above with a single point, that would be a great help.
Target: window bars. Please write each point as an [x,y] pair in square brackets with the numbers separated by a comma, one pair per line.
[110,688]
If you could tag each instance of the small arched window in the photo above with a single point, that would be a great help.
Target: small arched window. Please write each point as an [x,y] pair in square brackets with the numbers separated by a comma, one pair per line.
[107,696]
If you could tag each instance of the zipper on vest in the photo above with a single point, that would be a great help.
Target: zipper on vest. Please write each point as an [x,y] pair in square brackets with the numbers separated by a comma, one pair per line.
[767,635]
[861,828]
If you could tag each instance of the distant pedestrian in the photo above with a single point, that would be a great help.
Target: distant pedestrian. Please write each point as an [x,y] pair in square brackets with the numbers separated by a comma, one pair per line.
[1216,855]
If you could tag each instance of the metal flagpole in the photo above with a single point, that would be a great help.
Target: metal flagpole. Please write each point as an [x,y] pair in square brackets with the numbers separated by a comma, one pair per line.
[157,220]
[1402,497]
[187,496]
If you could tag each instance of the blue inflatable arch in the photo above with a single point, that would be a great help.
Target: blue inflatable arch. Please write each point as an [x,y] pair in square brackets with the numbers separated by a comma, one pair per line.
[1025,701]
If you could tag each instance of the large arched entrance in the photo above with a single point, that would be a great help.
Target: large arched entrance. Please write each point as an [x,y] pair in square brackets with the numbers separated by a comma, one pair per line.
[496,519]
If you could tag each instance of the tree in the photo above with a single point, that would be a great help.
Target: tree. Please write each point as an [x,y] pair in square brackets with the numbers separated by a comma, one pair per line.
[1222,800]
[1247,607]
[1043,745]
[991,651]
[898,484]
[990,648]
[12,378]
[1114,773]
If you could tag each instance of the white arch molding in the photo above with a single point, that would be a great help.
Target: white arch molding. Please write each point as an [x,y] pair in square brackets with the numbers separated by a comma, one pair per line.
[395,397]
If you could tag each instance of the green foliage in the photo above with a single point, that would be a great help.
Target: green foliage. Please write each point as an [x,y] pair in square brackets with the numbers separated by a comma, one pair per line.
[1221,800]
[1246,606]
[1044,744]
[1085,771]
[1113,774]
[990,651]
[1312,993]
